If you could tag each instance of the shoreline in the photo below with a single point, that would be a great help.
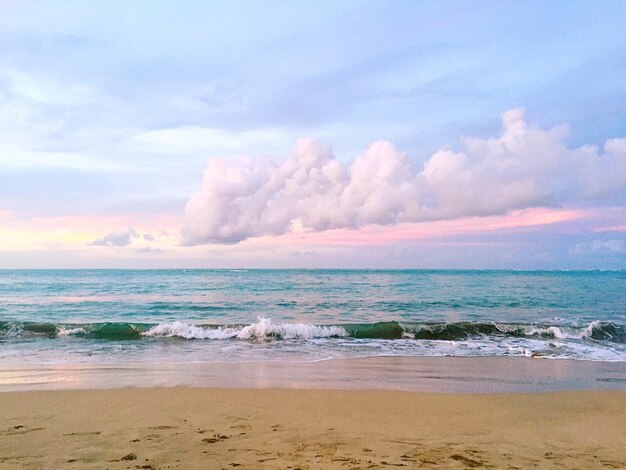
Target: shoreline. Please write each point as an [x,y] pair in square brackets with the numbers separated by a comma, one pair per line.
[413,374]
[172,428]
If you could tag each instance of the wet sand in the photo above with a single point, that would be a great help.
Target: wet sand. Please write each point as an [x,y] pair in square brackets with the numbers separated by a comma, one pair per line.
[414,374]
[277,428]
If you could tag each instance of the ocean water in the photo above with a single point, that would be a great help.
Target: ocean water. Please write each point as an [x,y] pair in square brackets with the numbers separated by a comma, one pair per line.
[90,318]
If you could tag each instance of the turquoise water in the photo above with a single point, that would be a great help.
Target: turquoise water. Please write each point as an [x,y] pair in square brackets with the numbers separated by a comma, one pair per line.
[79,317]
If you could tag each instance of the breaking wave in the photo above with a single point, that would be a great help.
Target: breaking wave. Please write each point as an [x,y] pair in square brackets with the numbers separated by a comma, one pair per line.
[266,329]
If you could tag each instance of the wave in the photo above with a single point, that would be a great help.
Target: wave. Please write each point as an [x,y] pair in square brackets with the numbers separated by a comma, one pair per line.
[596,330]
[263,329]
[107,330]
[266,329]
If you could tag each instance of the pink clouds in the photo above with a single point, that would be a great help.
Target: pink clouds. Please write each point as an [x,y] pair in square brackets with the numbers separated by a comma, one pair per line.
[436,231]
[525,167]
[611,228]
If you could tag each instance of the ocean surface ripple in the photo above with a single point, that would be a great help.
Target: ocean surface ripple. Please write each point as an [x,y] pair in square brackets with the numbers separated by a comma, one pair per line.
[116,316]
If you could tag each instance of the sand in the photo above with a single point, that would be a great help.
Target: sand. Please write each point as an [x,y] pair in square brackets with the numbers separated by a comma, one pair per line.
[190,428]
[409,374]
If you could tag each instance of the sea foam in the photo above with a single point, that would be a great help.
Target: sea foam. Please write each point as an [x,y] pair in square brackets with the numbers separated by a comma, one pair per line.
[263,329]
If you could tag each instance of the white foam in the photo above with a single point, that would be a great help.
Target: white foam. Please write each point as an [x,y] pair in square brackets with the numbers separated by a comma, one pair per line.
[264,328]
[14,330]
[61,331]
[184,330]
[564,332]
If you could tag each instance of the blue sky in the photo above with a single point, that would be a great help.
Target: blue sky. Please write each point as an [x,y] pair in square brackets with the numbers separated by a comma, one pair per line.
[110,111]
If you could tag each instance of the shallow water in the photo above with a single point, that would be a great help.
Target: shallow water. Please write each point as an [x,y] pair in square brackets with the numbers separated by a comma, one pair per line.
[423,374]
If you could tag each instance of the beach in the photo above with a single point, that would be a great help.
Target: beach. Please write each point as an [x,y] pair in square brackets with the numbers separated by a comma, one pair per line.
[311,369]
[278,428]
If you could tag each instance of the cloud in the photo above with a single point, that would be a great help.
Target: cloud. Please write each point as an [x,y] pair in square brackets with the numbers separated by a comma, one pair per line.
[608,246]
[149,249]
[140,242]
[311,190]
[116,239]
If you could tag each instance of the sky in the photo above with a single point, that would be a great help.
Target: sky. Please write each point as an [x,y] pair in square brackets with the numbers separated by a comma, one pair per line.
[328,134]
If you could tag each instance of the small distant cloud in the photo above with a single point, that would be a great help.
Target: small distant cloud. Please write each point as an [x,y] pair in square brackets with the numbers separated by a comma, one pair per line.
[118,239]
[149,249]
[607,247]
[148,236]
[303,254]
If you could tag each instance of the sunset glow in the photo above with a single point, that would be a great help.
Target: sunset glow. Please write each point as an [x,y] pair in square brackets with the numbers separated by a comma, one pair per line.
[248,141]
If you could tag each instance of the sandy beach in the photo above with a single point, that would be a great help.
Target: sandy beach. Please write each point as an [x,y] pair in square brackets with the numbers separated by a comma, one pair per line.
[272,428]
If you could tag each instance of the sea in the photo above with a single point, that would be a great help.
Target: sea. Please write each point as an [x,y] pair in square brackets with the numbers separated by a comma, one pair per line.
[239,319]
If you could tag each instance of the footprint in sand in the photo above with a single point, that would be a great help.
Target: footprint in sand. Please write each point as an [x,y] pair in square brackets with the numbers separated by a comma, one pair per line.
[241,426]
[215,438]
[466,460]
[19,429]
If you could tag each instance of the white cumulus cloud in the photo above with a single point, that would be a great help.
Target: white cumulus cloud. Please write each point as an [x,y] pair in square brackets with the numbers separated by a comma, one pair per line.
[523,167]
